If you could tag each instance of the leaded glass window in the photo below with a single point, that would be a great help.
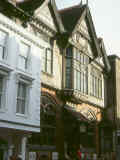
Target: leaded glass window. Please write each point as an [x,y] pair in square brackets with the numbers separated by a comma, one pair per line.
[81,62]
[96,83]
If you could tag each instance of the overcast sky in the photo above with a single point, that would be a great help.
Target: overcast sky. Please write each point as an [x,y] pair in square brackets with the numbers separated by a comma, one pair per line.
[106,18]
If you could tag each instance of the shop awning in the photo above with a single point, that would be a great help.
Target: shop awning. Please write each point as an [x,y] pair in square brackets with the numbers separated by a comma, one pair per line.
[83,115]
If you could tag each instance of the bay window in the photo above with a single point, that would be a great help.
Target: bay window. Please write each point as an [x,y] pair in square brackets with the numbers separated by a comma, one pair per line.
[77,74]
[81,71]
[3,38]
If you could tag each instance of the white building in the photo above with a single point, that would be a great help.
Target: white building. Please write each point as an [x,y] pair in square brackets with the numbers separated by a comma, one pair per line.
[20,68]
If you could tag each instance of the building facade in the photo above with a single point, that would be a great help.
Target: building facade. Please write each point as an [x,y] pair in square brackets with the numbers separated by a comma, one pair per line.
[86,67]
[112,112]
[20,87]
[73,80]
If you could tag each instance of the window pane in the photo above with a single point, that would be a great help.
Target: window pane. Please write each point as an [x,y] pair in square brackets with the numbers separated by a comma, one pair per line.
[3,36]
[21,98]
[23,107]
[1,84]
[78,80]
[22,62]
[24,49]
[49,54]
[0,101]
[69,52]
[1,90]
[75,86]
[49,67]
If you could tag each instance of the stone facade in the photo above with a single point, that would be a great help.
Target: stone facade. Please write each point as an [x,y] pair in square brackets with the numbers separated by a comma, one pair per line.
[14,126]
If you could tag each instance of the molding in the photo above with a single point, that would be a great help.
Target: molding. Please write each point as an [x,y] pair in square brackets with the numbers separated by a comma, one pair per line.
[9,24]
[18,123]
[49,87]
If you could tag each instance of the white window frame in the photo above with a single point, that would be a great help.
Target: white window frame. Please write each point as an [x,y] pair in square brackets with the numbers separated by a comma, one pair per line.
[26,58]
[4,72]
[4,46]
[27,80]
[21,99]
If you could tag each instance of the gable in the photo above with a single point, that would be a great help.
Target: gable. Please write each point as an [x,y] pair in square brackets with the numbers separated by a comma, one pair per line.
[44,14]
[83,27]
[100,61]
[82,39]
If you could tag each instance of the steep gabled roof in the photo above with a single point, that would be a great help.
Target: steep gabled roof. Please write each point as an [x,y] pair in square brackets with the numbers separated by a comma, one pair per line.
[104,55]
[74,15]
[70,16]
[31,5]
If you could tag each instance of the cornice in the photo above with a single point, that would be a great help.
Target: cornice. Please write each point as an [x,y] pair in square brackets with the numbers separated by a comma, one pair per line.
[9,24]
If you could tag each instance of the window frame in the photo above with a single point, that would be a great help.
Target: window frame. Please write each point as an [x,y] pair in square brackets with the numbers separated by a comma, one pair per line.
[28,81]
[21,99]
[1,92]
[80,60]
[96,83]
[46,60]
[26,67]
[4,47]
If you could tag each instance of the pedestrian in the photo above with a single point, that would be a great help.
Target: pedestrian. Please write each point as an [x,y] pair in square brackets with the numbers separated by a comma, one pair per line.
[79,154]
[113,156]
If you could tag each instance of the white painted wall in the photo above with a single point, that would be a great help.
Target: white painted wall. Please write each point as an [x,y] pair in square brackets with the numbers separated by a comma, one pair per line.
[8,116]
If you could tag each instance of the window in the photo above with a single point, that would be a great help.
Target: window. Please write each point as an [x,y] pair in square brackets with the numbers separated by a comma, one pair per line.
[48,61]
[21,98]
[81,62]
[3,37]
[68,67]
[24,56]
[96,83]
[1,91]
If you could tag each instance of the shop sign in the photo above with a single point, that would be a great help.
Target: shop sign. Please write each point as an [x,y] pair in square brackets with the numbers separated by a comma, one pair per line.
[54,155]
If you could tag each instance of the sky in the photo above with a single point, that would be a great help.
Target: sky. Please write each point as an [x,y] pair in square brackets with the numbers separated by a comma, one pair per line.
[106,19]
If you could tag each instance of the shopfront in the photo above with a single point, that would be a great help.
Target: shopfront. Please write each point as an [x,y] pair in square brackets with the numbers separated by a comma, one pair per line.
[44,144]
[82,127]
